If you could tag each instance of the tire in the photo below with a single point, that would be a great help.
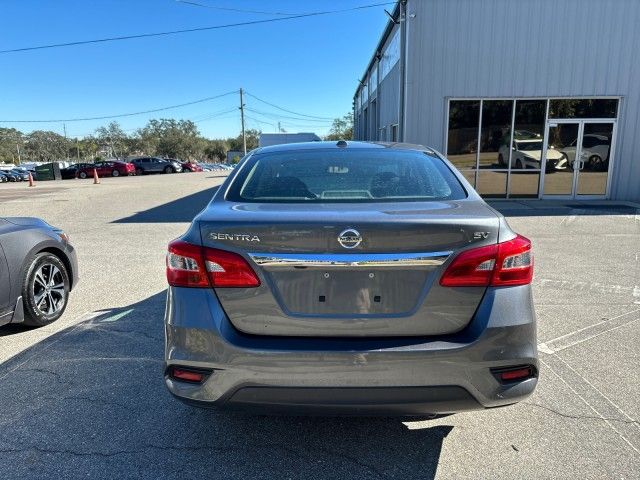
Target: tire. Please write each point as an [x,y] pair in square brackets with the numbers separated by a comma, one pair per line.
[44,304]
[595,162]
[501,160]
[115,173]
[169,170]
[82,175]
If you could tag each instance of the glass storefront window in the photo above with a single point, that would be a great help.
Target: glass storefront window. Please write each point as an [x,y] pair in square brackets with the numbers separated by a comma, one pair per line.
[462,144]
[391,54]
[528,133]
[503,163]
[524,184]
[492,184]
[495,133]
[583,108]
[373,79]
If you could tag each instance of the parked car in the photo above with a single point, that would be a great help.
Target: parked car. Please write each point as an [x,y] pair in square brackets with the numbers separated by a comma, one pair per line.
[594,155]
[528,153]
[191,167]
[350,278]
[24,173]
[14,176]
[38,269]
[107,169]
[155,165]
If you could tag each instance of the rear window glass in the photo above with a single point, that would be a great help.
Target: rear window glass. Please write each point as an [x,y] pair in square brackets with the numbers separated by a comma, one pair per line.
[344,176]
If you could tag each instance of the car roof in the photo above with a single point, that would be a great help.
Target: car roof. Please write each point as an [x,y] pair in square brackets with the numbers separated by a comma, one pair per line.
[350,144]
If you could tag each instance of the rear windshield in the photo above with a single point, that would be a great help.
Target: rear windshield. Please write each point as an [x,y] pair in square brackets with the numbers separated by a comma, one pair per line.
[344,176]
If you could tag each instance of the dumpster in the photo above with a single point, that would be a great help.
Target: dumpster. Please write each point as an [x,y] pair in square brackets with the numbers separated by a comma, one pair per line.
[48,171]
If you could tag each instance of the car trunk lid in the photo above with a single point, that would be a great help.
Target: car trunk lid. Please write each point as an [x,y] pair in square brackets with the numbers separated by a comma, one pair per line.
[349,269]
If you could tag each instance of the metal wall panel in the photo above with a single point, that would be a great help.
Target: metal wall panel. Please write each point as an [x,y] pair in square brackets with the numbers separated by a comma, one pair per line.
[525,48]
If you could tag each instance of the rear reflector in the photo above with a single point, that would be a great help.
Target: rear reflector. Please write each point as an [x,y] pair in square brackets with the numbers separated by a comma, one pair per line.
[515,374]
[191,265]
[187,375]
[502,264]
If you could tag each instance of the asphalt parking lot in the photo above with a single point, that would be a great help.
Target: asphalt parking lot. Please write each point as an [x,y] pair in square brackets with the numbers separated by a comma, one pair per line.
[84,397]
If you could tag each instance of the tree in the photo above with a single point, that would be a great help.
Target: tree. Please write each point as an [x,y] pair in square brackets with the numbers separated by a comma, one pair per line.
[113,139]
[216,150]
[342,128]
[172,138]
[11,142]
[253,138]
[45,146]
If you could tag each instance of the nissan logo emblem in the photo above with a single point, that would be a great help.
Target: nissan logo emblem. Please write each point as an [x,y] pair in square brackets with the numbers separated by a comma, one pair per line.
[350,238]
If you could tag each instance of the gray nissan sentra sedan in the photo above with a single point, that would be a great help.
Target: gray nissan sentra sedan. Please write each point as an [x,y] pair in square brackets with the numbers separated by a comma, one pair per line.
[349,278]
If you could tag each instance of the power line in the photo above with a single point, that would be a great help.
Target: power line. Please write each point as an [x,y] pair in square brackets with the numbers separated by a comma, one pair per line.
[190,30]
[105,117]
[228,9]
[286,110]
[278,116]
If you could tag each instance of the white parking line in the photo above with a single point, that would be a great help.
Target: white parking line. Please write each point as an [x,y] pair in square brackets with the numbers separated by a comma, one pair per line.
[593,398]
[587,333]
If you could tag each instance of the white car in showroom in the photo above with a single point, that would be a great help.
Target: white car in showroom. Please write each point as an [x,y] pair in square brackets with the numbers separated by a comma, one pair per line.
[527,153]
[595,152]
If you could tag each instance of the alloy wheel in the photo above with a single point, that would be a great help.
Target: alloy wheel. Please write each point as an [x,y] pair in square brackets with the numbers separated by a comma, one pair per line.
[48,289]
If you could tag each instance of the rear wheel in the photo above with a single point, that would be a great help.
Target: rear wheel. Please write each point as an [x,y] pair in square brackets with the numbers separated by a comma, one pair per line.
[45,290]
[595,163]
[115,173]
[169,170]
[82,175]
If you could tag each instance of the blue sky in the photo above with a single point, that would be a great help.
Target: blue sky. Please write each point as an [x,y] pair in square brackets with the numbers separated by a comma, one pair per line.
[308,65]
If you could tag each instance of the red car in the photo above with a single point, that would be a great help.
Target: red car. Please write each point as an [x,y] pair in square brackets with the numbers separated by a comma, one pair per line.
[191,167]
[107,169]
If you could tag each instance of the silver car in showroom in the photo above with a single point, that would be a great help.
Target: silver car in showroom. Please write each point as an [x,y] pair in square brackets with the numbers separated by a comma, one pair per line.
[349,278]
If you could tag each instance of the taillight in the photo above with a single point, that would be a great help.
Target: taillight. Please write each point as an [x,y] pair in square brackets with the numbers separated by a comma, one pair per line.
[502,264]
[228,269]
[191,265]
[185,266]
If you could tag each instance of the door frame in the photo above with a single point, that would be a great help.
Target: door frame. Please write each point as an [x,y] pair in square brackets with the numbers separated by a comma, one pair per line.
[543,160]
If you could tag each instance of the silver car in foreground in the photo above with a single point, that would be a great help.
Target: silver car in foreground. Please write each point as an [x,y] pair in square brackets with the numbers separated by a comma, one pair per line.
[349,278]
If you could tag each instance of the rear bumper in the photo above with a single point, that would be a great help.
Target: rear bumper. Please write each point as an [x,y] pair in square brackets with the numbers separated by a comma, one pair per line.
[355,376]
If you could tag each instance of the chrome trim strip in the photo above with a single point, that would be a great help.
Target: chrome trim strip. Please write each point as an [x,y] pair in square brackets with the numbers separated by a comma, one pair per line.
[276,260]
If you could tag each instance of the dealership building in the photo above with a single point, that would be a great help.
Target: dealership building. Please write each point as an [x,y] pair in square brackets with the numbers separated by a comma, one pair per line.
[527,98]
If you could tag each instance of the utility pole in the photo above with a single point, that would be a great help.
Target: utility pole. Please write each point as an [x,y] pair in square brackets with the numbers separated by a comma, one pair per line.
[279,129]
[64,126]
[244,137]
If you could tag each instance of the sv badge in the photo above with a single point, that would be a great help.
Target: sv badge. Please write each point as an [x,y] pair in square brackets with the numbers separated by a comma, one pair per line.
[480,235]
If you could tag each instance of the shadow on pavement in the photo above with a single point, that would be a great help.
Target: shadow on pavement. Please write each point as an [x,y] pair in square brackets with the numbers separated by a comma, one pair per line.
[537,208]
[90,402]
[181,210]
[13,328]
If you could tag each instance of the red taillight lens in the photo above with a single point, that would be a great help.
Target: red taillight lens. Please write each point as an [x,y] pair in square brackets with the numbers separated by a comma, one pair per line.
[185,266]
[191,265]
[506,263]
[228,269]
